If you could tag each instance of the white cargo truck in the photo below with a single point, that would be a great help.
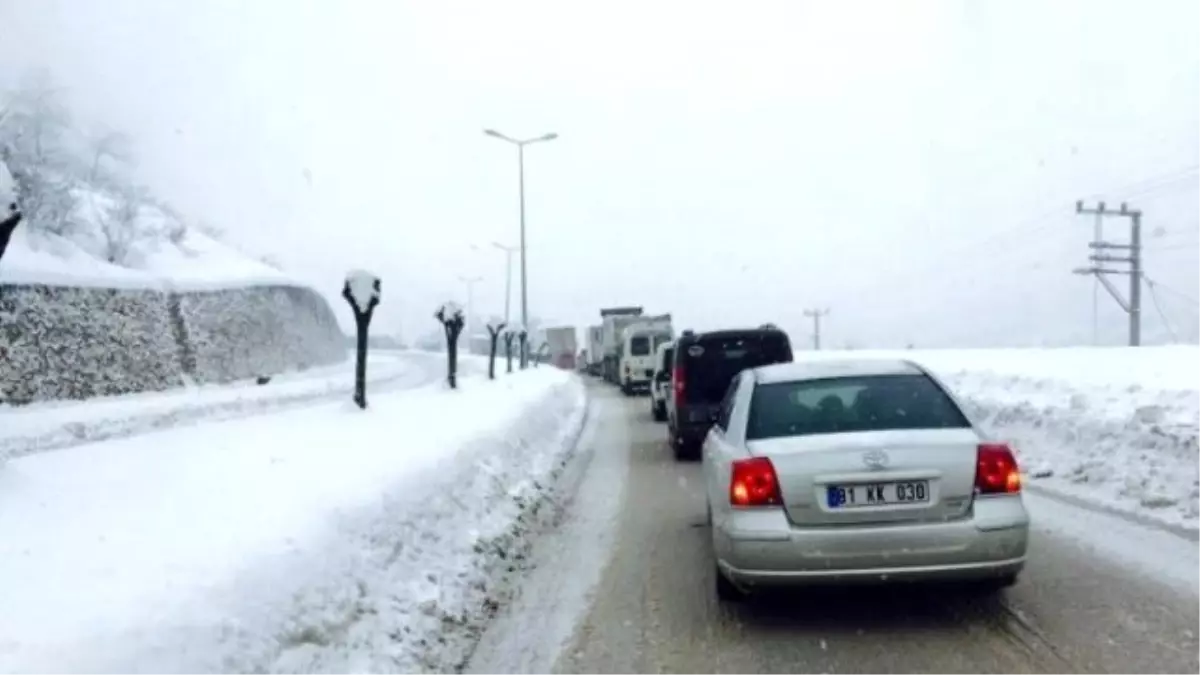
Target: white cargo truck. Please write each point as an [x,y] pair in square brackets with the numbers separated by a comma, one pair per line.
[561,342]
[639,344]
[595,350]
[613,321]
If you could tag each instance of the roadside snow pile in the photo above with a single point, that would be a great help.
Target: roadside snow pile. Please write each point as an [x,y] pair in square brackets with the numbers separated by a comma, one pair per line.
[41,427]
[327,539]
[1116,426]
[1129,442]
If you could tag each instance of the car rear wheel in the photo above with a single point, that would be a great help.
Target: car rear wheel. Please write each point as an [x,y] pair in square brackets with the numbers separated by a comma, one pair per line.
[996,584]
[726,590]
[659,411]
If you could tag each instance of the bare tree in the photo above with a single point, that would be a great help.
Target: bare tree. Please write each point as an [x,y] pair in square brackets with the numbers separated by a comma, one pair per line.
[108,147]
[119,225]
[32,125]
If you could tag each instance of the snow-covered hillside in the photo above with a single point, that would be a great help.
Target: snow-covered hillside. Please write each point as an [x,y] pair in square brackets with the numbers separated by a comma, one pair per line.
[86,222]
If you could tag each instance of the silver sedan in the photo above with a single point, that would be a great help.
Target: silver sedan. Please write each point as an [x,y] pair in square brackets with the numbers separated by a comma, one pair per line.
[857,470]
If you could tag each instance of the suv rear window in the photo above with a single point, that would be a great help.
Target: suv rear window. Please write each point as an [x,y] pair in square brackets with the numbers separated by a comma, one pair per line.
[639,345]
[712,361]
[848,404]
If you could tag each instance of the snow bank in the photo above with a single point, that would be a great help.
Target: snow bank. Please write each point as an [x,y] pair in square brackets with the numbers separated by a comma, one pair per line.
[327,539]
[1114,426]
[61,342]
[41,427]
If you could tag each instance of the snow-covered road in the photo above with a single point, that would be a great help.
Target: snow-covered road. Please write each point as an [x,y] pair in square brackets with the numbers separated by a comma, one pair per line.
[325,538]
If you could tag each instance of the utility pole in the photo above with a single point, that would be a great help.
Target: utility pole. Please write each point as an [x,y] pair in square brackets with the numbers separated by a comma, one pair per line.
[815,315]
[1103,261]
[1099,235]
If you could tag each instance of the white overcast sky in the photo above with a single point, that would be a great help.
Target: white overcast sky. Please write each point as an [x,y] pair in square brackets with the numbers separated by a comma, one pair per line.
[910,165]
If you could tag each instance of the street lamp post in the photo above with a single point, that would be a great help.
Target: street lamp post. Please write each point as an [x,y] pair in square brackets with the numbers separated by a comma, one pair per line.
[521,143]
[470,282]
[508,253]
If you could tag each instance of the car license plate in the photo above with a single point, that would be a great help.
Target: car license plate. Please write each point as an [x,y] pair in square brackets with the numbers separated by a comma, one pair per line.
[877,494]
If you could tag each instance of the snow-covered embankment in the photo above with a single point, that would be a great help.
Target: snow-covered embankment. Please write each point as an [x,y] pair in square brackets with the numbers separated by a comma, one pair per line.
[1113,426]
[326,539]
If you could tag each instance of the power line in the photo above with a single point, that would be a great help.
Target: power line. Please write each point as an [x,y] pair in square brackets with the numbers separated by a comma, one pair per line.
[1184,296]
[1161,314]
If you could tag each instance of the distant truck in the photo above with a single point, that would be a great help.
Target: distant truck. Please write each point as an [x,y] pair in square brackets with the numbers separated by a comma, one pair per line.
[594,365]
[561,342]
[639,344]
[613,321]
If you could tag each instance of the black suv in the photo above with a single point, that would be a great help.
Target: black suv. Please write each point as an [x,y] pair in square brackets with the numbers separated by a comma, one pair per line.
[705,364]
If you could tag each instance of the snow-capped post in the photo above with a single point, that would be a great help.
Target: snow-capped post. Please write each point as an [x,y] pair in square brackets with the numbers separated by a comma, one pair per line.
[523,338]
[10,215]
[508,340]
[362,291]
[495,326]
[450,315]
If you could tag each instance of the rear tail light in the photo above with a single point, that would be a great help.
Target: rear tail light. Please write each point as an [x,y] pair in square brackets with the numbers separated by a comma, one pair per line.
[996,470]
[677,382]
[754,483]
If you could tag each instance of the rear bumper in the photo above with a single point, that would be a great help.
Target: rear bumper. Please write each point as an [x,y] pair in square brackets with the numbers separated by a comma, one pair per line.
[761,548]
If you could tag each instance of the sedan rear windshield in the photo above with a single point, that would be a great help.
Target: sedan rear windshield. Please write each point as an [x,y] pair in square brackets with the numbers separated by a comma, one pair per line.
[849,404]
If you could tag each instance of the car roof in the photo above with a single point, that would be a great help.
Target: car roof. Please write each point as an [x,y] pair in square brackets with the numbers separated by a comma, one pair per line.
[820,368]
[734,333]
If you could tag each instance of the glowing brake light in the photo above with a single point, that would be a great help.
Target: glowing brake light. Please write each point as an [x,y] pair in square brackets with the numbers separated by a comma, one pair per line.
[677,382]
[754,483]
[996,470]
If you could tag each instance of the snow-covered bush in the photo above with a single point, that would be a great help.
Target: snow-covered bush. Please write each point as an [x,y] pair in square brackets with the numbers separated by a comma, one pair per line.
[61,342]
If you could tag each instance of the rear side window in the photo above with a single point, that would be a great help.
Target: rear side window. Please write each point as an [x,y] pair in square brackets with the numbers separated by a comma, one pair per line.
[639,345]
[848,404]
[668,359]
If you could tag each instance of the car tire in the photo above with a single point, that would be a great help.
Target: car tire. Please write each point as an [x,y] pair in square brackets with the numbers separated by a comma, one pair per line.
[997,584]
[686,451]
[659,411]
[726,590]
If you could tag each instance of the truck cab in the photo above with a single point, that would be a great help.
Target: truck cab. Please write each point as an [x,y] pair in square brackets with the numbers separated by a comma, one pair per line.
[637,357]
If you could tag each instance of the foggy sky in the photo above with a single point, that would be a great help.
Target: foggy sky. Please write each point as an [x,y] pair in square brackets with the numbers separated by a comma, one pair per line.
[912,166]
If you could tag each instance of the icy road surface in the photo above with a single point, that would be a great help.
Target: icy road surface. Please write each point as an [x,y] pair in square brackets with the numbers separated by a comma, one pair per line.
[626,585]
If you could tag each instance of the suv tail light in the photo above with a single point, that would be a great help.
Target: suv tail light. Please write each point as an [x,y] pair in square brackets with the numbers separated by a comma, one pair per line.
[754,483]
[996,470]
[677,382]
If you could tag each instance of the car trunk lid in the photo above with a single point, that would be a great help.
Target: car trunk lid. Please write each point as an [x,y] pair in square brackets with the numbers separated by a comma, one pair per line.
[871,477]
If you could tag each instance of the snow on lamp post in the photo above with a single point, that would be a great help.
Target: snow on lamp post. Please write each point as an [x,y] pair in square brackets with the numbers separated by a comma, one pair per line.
[509,335]
[362,292]
[450,315]
[495,327]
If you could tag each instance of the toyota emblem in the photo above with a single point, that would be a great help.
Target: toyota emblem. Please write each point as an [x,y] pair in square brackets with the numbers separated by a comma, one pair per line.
[875,459]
